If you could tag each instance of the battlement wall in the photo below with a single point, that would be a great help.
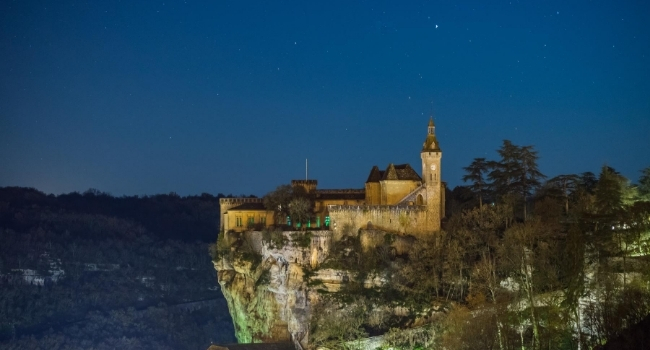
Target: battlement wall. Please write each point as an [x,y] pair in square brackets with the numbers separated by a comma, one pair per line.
[348,219]
[238,201]
[344,190]
[304,182]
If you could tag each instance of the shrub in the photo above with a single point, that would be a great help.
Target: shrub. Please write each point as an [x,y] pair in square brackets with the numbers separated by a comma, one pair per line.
[264,278]
[274,238]
[302,240]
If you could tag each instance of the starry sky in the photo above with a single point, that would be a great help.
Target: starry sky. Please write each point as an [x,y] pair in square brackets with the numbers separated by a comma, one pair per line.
[146,97]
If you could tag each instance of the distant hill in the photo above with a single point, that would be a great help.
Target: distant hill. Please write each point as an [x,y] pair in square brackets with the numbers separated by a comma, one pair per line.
[95,271]
[189,218]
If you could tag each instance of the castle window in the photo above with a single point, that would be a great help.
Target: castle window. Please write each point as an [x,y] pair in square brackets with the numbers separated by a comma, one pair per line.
[318,221]
[263,220]
[238,222]
[251,220]
[327,221]
[288,221]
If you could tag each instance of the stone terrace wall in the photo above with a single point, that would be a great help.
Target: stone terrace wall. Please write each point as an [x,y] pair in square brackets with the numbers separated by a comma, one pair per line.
[401,219]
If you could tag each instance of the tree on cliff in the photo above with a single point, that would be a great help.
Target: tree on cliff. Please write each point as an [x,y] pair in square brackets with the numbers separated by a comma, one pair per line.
[564,186]
[517,172]
[278,201]
[644,184]
[300,210]
[476,173]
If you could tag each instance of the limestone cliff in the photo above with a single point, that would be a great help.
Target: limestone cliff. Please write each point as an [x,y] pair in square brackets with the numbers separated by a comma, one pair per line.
[262,278]
[281,285]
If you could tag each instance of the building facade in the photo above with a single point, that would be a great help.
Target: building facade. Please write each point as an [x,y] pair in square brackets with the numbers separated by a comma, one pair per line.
[395,199]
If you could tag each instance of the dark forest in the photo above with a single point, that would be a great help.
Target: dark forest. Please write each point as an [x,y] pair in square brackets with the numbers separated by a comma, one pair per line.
[92,270]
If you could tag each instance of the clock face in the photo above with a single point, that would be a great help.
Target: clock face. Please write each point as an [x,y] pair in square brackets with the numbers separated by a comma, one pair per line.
[433,167]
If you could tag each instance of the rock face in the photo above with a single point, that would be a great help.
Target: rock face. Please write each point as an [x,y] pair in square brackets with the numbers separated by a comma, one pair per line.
[265,285]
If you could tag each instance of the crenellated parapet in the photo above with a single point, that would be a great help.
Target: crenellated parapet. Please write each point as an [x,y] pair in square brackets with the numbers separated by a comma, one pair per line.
[344,190]
[405,219]
[308,185]
[376,208]
[238,201]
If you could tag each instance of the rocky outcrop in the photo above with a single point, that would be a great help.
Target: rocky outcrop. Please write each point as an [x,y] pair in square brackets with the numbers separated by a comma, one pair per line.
[278,284]
[265,285]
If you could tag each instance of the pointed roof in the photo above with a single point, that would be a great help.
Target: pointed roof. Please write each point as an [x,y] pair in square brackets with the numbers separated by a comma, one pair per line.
[390,173]
[431,143]
[375,174]
[393,172]
[405,172]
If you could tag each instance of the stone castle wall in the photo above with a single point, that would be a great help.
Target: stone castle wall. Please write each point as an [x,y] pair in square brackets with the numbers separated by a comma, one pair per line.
[401,219]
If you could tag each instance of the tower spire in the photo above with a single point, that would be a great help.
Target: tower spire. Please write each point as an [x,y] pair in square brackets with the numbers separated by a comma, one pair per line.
[431,143]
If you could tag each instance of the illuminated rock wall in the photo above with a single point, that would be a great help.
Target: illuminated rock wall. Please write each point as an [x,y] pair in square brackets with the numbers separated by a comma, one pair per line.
[270,302]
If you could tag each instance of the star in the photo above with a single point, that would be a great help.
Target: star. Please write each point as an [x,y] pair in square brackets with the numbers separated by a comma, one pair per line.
[436,26]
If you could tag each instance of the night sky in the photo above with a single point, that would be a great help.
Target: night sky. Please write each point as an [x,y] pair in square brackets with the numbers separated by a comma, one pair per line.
[144,97]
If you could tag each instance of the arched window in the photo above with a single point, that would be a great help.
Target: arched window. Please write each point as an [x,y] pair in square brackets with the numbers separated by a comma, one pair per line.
[419,200]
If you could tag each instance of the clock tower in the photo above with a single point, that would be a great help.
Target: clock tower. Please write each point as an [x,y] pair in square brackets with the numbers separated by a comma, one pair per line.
[431,155]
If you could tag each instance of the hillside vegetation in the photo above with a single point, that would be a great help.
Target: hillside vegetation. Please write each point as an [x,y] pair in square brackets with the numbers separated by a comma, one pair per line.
[81,271]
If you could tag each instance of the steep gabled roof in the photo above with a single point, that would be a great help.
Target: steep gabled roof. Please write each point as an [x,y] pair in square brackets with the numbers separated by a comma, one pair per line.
[390,173]
[375,175]
[405,172]
[393,172]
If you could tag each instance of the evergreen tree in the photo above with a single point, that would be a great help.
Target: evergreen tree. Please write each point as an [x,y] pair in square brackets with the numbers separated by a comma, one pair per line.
[529,173]
[566,185]
[608,192]
[644,184]
[588,182]
[517,172]
[476,174]
[506,173]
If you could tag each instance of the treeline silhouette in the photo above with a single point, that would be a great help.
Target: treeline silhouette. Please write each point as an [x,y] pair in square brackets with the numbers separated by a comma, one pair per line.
[166,216]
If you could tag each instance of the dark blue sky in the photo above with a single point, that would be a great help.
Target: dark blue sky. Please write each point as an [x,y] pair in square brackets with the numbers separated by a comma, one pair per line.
[144,97]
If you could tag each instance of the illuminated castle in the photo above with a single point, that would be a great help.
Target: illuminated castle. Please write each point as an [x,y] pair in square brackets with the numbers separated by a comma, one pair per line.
[396,199]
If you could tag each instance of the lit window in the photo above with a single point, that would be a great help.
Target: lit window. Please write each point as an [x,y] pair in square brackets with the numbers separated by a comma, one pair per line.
[238,221]
[327,221]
